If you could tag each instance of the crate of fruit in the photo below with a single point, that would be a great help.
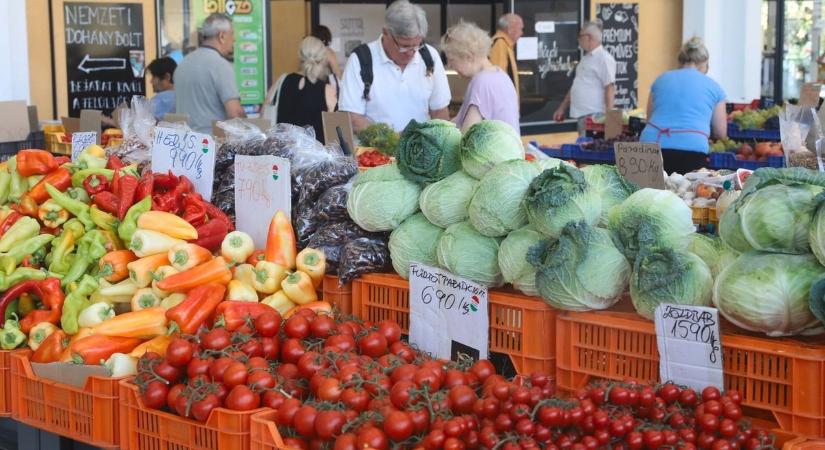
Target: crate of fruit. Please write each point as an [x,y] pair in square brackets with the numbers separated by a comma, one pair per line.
[552,151]
[734,132]
[726,160]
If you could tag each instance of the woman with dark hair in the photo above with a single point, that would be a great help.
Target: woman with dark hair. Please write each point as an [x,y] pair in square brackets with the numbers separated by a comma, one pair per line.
[321,32]
[163,83]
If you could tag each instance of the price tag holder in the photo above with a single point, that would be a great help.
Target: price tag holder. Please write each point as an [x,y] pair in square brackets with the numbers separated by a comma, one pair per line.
[690,351]
[262,187]
[185,153]
[613,124]
[809,95]
[81,140]
[448,314]
[640,163]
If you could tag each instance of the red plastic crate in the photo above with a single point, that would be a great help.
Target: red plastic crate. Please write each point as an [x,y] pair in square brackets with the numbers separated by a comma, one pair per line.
[88,414]
[522,327]
[781,379]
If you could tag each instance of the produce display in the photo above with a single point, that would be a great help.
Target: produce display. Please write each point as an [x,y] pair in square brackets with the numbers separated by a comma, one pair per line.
[744,151]
[756,119]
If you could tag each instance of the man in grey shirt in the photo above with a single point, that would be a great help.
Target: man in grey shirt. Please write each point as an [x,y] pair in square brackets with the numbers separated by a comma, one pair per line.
[205,79]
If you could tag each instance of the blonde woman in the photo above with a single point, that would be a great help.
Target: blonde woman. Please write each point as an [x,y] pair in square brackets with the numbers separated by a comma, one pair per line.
[300,98]
[490,94]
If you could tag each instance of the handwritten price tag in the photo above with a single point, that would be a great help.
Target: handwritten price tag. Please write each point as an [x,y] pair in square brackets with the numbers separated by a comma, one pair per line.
[82,140]
[640,163]
[185,153]
[262,187]
[448,314]
[689,348]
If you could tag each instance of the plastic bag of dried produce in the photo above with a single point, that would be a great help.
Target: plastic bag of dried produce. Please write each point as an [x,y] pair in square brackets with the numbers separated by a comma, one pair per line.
[363,255]
[241,138]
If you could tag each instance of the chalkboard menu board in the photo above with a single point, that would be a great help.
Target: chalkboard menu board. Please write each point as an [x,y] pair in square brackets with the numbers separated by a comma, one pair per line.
[620,22]
[105,57]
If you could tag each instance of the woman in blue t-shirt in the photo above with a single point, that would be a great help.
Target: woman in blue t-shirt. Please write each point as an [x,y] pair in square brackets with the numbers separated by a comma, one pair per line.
[684,107]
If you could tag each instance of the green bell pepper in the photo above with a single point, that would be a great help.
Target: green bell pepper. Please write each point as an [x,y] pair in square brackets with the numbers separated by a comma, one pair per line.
[11,336]
[129,224]
[80,175]
[5,185]
[16,255]
[76,207]
[90,248]
[25,228]
[76,302]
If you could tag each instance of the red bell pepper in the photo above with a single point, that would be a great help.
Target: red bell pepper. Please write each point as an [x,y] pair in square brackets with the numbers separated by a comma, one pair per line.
[200,304]
[145,186]
[237,314]
[114,163]
[107,201]
[194,210]
[60,160]
[49,293]
[127,189]
[35,162]
[215,213]
[94,184]
[60,178]
[211,234]
[165,181]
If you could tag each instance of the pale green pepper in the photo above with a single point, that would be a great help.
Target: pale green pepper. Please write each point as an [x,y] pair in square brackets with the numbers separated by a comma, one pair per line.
[25,228]
[90,248]
[129,224]
[12,258]
[76,207]
[76,302]
[5,185]
[11,336]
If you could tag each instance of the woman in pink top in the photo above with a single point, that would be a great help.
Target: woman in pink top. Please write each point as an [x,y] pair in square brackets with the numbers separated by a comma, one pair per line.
[490,94]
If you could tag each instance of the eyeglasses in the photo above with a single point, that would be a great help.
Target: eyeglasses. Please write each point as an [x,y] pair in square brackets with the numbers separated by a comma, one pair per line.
[402,49]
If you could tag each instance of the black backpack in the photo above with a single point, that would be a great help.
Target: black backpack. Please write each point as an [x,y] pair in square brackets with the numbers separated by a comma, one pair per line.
[365,60]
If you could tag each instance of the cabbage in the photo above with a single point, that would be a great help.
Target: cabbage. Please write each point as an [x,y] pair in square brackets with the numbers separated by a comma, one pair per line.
[550,163]
[414,240]
[713,252]
[817,299]
[651,218]
[816,233]
[428,151]
[496,208]
[467,253]
[488,143]
[381,198]
[769,293]
[581,271]
[669,276]
[609,185]
[512,258]
[447,201]
[560,196]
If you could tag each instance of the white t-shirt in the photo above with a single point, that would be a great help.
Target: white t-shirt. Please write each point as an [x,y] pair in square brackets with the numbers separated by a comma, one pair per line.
[396,96]
[595,71]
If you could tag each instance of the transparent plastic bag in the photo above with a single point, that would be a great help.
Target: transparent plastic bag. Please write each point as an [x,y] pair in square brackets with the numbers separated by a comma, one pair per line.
[331,238]
[362,255]
[241,138]
[332,204]
[794,125]
[138,125]
[334,169]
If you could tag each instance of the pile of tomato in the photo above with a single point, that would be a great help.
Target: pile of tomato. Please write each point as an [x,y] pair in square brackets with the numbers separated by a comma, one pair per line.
[372,158]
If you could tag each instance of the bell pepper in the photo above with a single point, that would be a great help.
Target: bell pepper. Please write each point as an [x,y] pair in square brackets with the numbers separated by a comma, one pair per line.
[76,301]
[121,292]
[76,207]
[92,157]
[113,265]
[155,345]
[9,219]
[95,314]
[39,333]
[165,181]
[214,271]
[194,210]
[111,241]
[314,263]
[107,201]
[148,242]
[60,178]
[18,184]
[187,256]
[90,248]
[41,288]
[36,259]
[21,274]
[237,246]
[168,224]
[319,307]
[51,348]
[94,184]
[51,214]
[268,277]
[11,336]
[61,257]
[215,213]
[280,241]
[51,296]
[257,255]
[200,304]
[126,193]
[145,324]
[145,186]
[238,291]
[103,220]
[15,256]
[82,333]
[78,194]
[23,229]
[121,365]
[96,348]
[114,163]
[172,300]
[144,298]
[234,315]
[35,162]
[128,224]
[245,273]
[158,276]
[26,206]
[299,288]
[81,175]
[211,234]
[5,185]
[140,271]
[279,301]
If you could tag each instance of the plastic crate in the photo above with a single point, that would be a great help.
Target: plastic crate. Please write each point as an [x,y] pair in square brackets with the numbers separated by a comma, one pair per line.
[265,434]
[144,428]
[804,444]
[580,153]
[6,389]
[553,152]
[520,326]
[735,133]
[700,215]
[781,379]
[36,139]
[340,297]
[726,160]
[88,414]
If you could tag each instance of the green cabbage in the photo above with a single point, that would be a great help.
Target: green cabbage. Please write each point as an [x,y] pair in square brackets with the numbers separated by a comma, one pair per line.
[560,196]
[648,219]
[769,293]
[467,253]
[581,271]
[428,151]
[488,143]
[496,208]
[713,252]
[381,198]
[414,240]
[446,202]
[816,233]
[549,163]
[512,258]
[669,276]
[611,187]
[817,299]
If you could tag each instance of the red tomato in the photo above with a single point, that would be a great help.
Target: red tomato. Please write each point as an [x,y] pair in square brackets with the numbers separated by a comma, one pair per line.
[235,374]
[346,441]
[201,409]
[708,423]
[241,398]
[373,345]
[669,392]
[292,350]
[270,348]
[268,324]
[328,424]
[373,438]
[329,390]
[688,397]
[155,395]
[711,393]
[342,342]
[390,330]
[297,327]
[260,379]
[216,339]
[420,419]
[179,352]
[304,421]
[398,426]
[167,371]
[401,393]
[322,327]
[285,415]
[273,399]
[429,377]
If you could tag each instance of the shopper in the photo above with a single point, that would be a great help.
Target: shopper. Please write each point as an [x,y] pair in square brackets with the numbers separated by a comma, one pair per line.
[321,32]
[594,86]
[684,107]
[397,77]
[163,102]
[490,94]
[205,79]
[503,54]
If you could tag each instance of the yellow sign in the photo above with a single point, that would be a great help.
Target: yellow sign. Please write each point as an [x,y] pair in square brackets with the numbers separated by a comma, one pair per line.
[230,7]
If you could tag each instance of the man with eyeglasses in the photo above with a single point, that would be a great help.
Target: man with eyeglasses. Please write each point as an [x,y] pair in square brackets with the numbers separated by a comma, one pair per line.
[594,86]
[397,77]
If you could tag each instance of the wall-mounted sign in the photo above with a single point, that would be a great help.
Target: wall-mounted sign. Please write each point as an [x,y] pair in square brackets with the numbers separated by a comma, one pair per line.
[620,22]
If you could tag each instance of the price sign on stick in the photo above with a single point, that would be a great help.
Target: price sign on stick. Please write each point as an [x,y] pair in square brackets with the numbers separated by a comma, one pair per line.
[82,140]
[690,352]
[640,163]
[185,153]
[448,314]
[262,187]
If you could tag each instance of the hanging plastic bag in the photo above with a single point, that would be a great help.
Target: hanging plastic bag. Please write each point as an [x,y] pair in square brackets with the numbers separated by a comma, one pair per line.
[332,168]
[241,138]
[138,125]
[331,238]
[795,123]
[362,255]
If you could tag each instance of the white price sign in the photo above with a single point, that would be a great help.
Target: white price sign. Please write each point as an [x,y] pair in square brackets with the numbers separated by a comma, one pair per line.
[185,153]
[81,140]
[689,348]
[448,314]
[262,187]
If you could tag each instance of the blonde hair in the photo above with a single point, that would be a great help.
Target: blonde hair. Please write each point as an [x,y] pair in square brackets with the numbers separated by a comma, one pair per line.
[313,54]
[693,52]
[466,41]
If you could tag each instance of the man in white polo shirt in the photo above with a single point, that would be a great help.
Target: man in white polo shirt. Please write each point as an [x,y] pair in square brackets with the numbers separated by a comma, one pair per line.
[397,77]
[594,87]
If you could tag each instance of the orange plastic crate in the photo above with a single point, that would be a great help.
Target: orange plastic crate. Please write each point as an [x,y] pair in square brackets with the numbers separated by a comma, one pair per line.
[782,379]
[340,297]
[5,380]
[804,444]
[520,326]
[88,414]
[144,428]
[265,434]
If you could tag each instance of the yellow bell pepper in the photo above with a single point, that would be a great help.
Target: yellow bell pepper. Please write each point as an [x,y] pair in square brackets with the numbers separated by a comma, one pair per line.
[51,214]
[279,301]
[144,298]
[158,275]
[140,271]
[314,263]
[237,291]
[172,300]
[245,273]
[237,246]
[268,277]
[168,224]
[299,288]
[149,242]
[39,333]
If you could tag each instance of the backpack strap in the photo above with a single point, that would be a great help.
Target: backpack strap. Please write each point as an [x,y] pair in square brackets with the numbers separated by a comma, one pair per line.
[365,61]
[428,59]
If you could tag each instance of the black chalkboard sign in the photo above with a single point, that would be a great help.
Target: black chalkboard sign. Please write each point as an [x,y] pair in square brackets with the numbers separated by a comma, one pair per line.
[621,38]
[105,54]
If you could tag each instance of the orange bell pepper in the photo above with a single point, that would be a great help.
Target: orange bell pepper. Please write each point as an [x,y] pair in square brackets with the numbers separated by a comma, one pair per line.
[319,307]
[95,349]
[113,265]
[280,241]
[60,178]
[35,162]
[145,324]
[187,256]
[215,271]
[157,345]
[51,348]
[66,356]
[200,305]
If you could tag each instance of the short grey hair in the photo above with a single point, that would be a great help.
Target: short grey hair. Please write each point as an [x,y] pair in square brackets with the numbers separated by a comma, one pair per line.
[693,52]
[214,25]
[593,29]
[403,19]
[503,22]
